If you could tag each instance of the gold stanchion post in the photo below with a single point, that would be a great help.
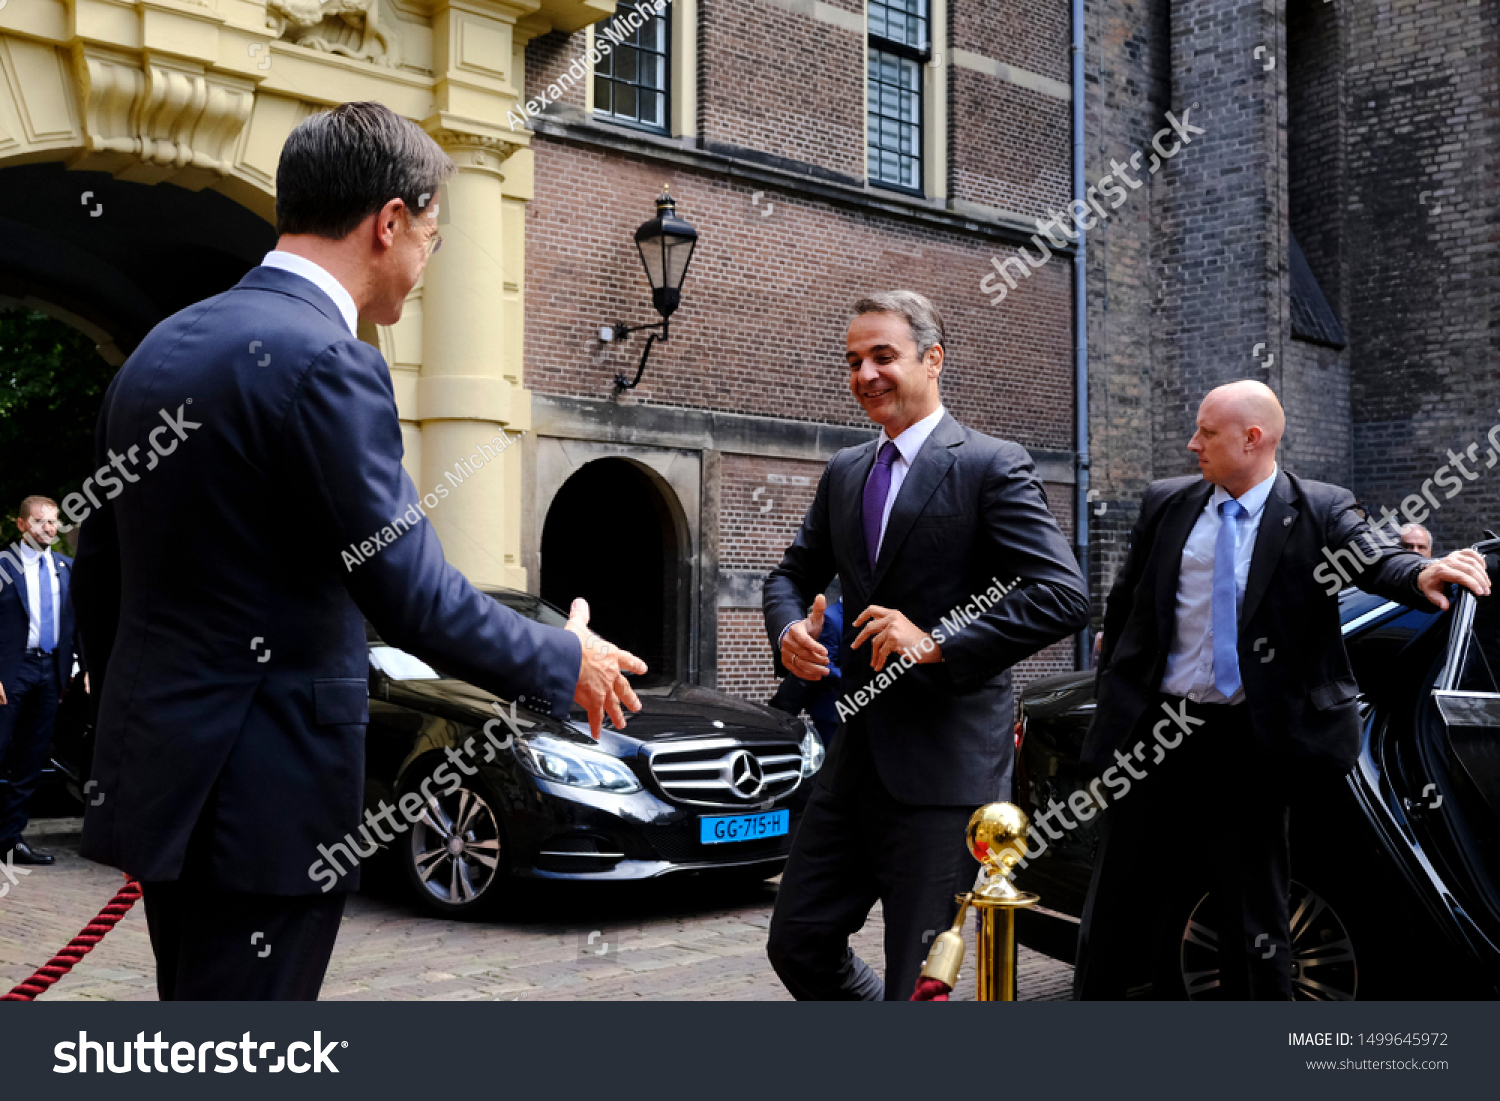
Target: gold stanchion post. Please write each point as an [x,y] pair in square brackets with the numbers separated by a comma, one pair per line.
[994,835]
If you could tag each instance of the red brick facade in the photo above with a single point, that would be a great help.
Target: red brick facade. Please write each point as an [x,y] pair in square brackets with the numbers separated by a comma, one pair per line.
[790,237]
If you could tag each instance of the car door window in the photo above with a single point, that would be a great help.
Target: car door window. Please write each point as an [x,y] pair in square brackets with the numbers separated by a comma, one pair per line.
[1468,696]
[1480,657]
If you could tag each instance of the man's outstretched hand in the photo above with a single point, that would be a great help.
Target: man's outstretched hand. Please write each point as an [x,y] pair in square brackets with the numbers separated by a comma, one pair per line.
[602,686]
[1466,567]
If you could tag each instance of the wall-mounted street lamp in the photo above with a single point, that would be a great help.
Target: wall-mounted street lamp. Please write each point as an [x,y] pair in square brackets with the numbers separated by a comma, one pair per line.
[666,246]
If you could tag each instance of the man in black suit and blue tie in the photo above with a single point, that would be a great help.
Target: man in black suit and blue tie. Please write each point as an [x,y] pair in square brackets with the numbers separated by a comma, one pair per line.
[36,662]
[232,668]
[1220,628]
[952,570]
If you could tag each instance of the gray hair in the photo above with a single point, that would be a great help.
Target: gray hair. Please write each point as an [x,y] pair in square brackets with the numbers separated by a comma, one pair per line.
[340,166]
[921,316]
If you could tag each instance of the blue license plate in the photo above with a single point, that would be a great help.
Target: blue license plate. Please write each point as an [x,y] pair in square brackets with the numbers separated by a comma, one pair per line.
[743,827]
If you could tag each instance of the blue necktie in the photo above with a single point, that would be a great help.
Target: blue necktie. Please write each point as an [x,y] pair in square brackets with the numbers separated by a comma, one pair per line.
[877,489]
[46,632]
[1226,602]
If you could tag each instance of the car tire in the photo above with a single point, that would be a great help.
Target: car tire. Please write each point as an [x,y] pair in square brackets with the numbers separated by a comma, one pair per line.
[1325,963]
[454,857]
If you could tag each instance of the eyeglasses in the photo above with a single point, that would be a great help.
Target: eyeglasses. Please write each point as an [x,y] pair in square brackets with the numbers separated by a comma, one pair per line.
[434,242]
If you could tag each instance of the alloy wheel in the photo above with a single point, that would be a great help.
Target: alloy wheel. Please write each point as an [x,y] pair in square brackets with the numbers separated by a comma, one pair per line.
[455,848]
[1324,967]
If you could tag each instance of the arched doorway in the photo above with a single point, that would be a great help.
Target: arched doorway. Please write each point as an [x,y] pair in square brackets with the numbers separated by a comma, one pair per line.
[613,537]
[88,265]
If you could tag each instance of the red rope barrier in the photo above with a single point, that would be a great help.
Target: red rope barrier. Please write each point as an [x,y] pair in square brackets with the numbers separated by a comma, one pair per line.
[80,946]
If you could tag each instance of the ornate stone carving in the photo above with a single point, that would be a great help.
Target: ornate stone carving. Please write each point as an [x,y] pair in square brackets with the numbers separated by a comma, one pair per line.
[162,114]
[482,150]
[353,28]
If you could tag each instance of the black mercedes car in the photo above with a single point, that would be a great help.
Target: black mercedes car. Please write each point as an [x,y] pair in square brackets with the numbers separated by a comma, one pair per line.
[1395,868]
[698,780]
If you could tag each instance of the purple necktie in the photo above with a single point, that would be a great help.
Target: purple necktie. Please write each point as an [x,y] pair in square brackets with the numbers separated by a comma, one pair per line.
[877,489]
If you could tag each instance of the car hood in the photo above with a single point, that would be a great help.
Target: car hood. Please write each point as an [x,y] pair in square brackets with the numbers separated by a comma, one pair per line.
[669,708]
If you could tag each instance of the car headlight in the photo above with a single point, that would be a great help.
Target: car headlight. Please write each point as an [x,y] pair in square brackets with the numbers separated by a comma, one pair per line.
[563,762]
[811,749]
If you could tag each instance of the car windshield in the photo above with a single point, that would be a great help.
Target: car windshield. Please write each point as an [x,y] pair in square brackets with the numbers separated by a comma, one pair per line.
[399,665]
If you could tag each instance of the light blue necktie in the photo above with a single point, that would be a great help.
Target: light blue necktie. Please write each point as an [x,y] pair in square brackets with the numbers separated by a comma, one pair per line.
[46,632]
[1226,602]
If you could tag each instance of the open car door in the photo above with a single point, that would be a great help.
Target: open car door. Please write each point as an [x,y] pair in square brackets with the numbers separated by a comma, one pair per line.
[1461,803]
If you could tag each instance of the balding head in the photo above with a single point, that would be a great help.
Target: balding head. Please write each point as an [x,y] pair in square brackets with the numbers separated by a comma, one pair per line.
[1240,425]
[1414,537]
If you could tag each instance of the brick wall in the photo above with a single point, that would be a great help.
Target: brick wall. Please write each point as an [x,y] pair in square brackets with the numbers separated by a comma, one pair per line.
[783,83]
[1127,55]
[767,301]
[1424,116]
[1011,147]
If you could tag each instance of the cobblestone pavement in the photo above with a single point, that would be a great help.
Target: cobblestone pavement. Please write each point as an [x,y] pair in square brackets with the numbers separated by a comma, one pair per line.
[695,939]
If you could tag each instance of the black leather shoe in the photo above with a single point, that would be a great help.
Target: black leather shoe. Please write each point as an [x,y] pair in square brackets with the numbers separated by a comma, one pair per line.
[25,854]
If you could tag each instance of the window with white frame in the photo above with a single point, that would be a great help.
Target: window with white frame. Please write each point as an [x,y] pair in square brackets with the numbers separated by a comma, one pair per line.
[899,49]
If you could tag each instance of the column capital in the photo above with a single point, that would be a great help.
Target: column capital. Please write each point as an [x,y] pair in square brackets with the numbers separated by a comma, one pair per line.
[471,145]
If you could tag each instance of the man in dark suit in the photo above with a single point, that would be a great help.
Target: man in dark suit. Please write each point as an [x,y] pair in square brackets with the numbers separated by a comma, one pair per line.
[233,668]
[1223,657]
[36,662]
[952,571]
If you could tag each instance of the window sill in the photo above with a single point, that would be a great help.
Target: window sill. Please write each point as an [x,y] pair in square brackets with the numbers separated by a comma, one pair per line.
[576,127]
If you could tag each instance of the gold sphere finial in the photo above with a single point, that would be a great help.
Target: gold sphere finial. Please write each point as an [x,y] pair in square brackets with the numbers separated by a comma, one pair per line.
[995,837]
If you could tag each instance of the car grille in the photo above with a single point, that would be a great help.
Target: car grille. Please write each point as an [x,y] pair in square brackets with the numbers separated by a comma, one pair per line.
[725,772]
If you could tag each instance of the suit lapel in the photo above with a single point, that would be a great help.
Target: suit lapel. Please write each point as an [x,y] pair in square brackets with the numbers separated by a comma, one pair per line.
[1175,529]
[931,465]
[20,582]
[1275,526]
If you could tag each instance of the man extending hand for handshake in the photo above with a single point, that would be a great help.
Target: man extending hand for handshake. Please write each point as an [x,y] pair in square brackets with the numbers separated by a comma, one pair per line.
[222,767]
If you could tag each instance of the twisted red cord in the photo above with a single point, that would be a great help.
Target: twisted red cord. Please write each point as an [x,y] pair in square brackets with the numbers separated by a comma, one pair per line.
[80,946]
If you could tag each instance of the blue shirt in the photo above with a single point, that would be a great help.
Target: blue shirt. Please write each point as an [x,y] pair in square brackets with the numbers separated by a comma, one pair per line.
[1190,662]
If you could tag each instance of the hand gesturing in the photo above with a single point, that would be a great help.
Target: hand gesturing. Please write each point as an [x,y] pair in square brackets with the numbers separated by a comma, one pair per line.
[602,686]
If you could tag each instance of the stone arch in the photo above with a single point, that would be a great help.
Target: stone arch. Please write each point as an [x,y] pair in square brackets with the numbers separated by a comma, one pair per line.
[615,532]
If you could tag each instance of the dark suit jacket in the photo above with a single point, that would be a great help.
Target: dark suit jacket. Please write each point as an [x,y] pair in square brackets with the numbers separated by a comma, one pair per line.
[1298,684]
[971,514]
[15,616]
[229,548]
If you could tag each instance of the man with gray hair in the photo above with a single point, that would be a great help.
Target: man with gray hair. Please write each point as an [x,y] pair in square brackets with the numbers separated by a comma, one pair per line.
[952,570]
[1414,537]
[233,671]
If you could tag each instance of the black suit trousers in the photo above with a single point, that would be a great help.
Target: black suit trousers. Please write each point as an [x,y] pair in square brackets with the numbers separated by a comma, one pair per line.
[1211,817]
[217,945]
[26,723]
[856,845]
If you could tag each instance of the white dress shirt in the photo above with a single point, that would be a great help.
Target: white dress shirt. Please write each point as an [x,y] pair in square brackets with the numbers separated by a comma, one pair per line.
[319,277]
[1190,663]
[907,446]
[32,562]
